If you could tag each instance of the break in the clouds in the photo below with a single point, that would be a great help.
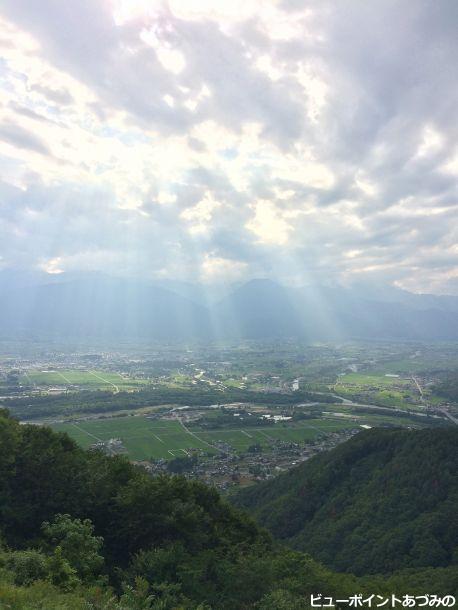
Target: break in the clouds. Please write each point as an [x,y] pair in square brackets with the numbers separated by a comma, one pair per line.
[213,141]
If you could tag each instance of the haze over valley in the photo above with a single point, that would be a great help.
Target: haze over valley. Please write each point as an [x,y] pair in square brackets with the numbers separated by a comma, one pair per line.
[77,307]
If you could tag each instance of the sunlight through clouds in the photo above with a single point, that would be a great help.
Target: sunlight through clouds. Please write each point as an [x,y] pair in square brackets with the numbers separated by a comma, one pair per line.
[249,133]
[217,269]
[268,224]
[200,215]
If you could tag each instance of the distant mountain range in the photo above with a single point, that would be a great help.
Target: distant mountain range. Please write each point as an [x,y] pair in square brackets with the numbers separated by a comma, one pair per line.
[95,306]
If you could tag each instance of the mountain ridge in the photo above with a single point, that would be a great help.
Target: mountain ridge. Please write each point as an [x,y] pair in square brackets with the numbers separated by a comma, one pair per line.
[96,305]
[383,501]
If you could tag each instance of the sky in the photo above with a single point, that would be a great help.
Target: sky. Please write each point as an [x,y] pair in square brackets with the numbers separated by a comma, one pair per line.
[214,141]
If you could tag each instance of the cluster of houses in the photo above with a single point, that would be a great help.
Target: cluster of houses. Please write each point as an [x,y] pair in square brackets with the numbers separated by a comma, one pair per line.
[228,468]
[112,446]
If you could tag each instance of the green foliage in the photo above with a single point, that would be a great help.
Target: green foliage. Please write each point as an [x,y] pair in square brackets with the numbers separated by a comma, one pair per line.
[179,465]
[43,595]
[235,578]
[61,573]
[102,401]
[46,474]
[77,544]
[40,595]
[439,581]
[138,598]
[26,566]
[282,599]
[46,477]
[10,439]
[227,419]
[383,501]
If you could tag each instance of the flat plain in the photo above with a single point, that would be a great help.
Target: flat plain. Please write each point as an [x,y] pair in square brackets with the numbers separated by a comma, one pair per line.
[82,379]
[146,438]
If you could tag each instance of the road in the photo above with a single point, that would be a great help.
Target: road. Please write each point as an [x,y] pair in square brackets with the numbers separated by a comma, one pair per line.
[195,435]
[66,379]
[106,381]
[448,415]
[88,433]
[418,388]
[350,403]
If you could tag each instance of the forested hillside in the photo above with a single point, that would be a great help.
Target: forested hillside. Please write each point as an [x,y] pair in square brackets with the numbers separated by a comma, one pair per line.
[80,530]
[383,501]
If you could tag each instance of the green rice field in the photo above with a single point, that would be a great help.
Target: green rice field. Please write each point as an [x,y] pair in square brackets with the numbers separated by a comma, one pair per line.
[388,390]
[372,380]
[87,379]
[146,438]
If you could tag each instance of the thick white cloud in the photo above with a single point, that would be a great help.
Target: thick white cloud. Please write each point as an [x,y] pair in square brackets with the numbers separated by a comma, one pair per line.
[210,140]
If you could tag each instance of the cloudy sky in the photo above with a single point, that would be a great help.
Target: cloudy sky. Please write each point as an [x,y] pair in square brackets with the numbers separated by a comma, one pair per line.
[210,140]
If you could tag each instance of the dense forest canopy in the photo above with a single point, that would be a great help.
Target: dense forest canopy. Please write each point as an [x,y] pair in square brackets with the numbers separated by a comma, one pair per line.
[384,500]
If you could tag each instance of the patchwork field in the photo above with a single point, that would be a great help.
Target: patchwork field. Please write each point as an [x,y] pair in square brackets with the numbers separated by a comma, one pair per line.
[389,390]
[87,379]
[241,438]
[145,438]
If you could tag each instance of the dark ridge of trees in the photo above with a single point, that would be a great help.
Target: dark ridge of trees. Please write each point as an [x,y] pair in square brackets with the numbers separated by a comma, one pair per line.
[35,407]
[385,500]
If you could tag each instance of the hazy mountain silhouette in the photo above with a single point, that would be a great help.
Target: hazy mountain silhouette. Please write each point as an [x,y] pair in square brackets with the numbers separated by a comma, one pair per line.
[100,307]
[97,306]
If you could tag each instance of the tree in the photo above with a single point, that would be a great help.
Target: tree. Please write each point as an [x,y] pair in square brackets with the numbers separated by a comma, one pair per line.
[27,566]
[77,545]
[181,464]
[61,573]
[282,600]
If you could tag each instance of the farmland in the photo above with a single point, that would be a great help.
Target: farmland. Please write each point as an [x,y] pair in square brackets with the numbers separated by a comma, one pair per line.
[142,437]
[229,414]
[146,438]
[51,385]
[79,379]
[391,390]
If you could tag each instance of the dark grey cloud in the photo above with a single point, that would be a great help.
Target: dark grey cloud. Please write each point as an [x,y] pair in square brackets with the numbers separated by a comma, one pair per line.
[399,60]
